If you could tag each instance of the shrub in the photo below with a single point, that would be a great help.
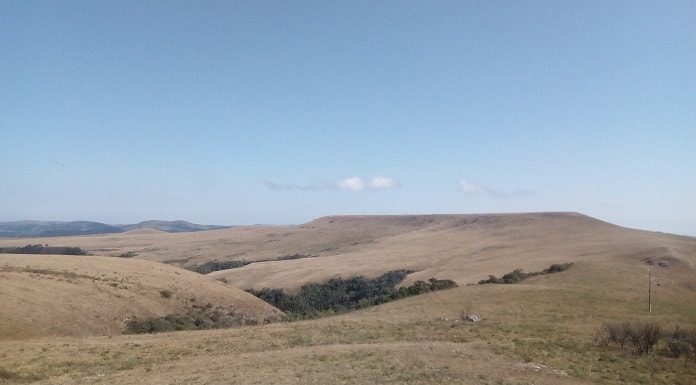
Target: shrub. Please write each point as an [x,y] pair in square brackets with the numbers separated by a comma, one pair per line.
[43,249]
[680,343]
[618,333]
[518,275]
[196,318]
[644,336]
[557,268]
[293,256]
[165,294]
[209,267]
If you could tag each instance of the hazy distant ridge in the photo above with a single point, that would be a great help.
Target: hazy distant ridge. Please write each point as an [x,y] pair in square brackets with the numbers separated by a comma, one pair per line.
[52,229]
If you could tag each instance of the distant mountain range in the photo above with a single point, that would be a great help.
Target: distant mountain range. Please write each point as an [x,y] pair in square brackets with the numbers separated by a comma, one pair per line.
[19,229]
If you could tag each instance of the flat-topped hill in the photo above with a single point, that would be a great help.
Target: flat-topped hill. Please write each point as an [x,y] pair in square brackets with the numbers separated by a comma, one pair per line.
[465,248]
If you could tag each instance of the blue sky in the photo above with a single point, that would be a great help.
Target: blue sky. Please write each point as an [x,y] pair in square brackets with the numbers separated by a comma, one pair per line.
[279,112]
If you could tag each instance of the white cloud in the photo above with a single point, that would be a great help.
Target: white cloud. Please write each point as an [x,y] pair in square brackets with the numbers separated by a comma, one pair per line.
[349,184]
[471,189]
[352,184]
[382,182]
[375,183]
[315,186]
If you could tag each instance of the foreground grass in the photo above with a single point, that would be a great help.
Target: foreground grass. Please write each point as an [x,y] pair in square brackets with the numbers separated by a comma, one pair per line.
[541,331]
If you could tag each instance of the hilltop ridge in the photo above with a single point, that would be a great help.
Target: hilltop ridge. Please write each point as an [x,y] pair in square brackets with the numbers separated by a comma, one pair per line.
[28,228]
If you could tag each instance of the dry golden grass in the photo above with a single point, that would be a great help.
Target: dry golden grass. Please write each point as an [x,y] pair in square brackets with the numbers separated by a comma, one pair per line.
[467,248]
[48,295]
[539,332]
[542,331]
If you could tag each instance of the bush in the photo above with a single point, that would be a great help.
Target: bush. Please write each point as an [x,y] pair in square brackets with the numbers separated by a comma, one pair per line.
[557,268]
[616,333]
[518,275]
[209,267]
[43,249]
[291,257]
[197,318]
[165,294]
[644,337]
[680,343]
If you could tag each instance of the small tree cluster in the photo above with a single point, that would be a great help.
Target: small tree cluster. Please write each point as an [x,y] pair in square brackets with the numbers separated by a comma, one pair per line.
[197,318]
[209,267]
[518,275]
[338,295]
[43,249]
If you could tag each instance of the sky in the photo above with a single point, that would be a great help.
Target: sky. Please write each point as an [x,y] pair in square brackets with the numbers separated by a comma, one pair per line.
[246,112]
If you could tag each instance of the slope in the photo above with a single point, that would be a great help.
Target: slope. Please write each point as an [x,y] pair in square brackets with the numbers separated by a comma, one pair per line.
[541,331]
[43,295]
[467,248]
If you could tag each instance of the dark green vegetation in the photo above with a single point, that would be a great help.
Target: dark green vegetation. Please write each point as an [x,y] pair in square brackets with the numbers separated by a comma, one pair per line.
[643,337]
[197,318]
[518,275]
[43,249]
[340,295]
[211,266]
[293,256]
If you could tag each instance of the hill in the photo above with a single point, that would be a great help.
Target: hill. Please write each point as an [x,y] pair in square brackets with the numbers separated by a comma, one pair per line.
[45,295]
[465,248]
[543,330]
[54,229]
[170,226]
[23,229]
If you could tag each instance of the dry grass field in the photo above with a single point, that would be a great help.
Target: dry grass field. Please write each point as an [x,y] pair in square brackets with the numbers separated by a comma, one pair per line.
[60,295]
[541,331]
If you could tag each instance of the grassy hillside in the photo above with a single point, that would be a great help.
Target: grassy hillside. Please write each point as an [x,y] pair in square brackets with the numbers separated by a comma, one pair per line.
[468,248]
[50,295]
[464,248]
[541,331]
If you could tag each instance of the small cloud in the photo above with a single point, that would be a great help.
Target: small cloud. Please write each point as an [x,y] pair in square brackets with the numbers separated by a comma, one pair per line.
[472,189]
[349,184]
[315,186]
[469,188]
[382,182]
[352,184]
[375,183]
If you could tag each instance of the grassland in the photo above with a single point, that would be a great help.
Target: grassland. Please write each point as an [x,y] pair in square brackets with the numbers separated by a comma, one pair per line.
[540,331]
[59,295]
